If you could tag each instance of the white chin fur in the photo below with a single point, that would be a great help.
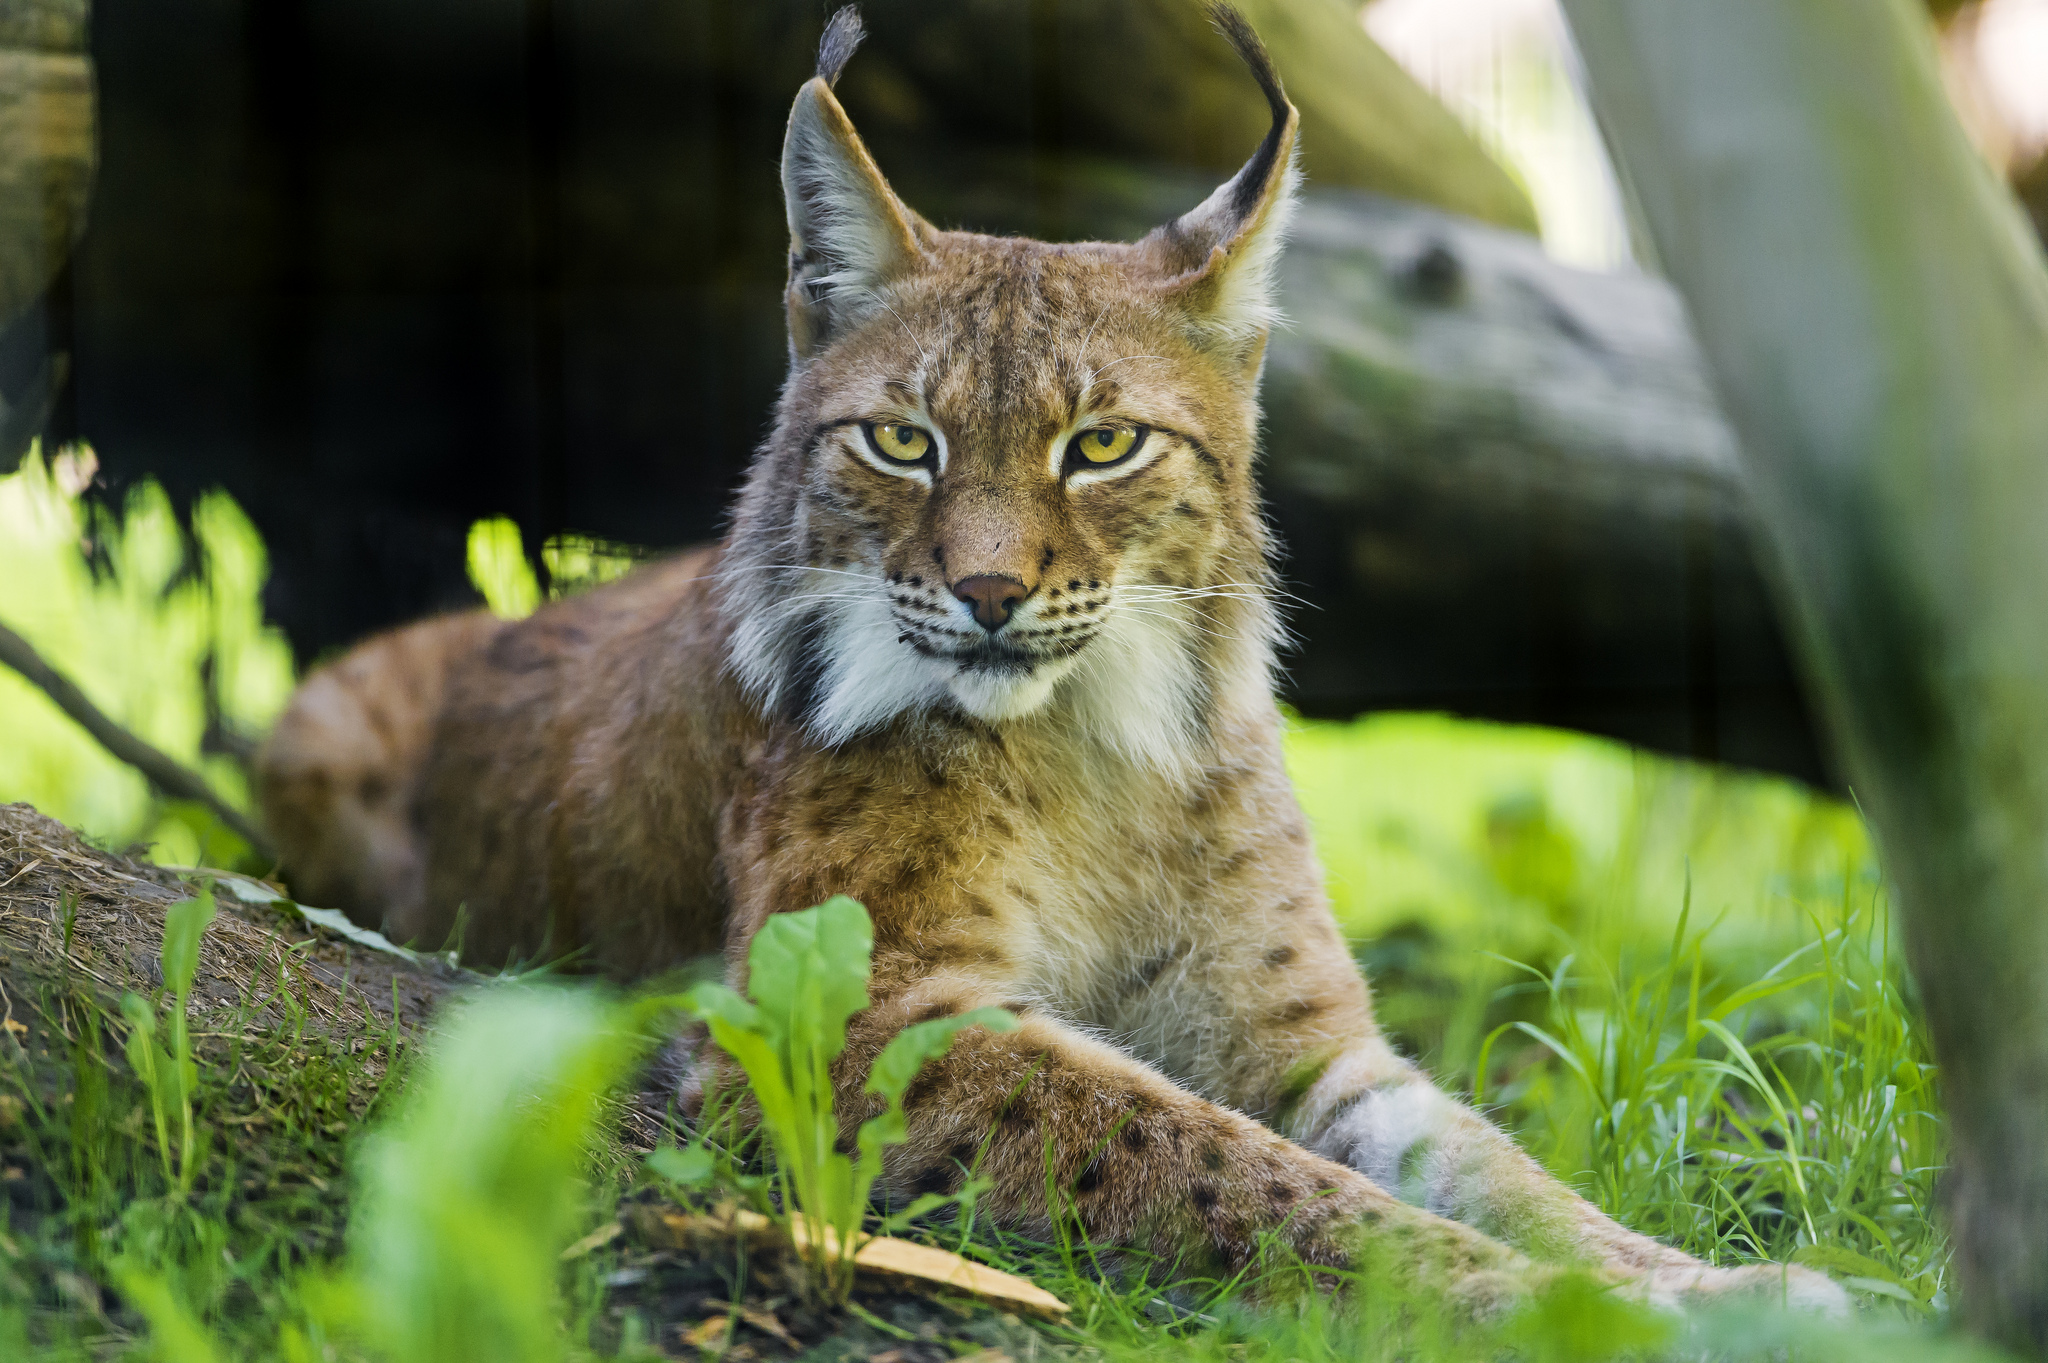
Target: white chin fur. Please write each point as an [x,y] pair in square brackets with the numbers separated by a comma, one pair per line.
[997,696]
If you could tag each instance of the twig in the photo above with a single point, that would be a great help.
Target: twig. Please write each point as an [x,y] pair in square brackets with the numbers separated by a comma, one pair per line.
[166,773]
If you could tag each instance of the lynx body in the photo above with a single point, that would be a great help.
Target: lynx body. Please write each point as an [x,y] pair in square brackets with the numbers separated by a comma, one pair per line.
[989,648]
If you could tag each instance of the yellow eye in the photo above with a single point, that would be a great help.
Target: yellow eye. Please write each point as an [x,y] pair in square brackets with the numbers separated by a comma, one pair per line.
[897,442]
[1107,444]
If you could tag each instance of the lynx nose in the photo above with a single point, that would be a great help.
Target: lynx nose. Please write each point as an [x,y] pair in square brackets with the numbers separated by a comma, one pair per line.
[991,597]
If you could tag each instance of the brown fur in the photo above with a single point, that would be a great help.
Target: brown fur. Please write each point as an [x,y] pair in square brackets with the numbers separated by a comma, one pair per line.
[1085,818]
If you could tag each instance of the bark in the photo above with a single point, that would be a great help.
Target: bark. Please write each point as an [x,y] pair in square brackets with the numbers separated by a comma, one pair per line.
[46,143]
[46,167]
[1876,314]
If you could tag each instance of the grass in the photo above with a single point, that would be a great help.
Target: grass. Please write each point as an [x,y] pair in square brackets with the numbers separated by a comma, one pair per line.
[116,1225]
[1677,985]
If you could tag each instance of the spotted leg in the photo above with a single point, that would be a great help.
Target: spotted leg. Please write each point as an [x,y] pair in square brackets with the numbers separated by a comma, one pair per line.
[1293,1041]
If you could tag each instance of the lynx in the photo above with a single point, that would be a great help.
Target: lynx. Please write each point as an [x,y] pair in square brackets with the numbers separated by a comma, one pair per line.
[990,648]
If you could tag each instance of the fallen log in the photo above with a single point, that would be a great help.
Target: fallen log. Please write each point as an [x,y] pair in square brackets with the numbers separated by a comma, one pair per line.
[1506,490]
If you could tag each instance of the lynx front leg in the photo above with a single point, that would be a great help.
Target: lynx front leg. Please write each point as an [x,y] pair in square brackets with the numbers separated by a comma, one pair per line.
[1139,1160]
[1382,1116]
[1304,1054]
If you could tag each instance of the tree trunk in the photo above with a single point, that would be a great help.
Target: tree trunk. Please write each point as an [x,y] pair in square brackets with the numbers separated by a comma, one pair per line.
[46,166]
[1876,315]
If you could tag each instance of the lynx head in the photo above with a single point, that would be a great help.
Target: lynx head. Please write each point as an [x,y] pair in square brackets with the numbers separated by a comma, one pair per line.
[1012,478]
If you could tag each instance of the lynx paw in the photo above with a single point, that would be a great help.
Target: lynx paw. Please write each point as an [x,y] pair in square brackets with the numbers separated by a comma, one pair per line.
[1798,1289]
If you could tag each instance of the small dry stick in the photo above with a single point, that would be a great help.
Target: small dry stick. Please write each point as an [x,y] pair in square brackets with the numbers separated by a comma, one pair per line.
[165,772]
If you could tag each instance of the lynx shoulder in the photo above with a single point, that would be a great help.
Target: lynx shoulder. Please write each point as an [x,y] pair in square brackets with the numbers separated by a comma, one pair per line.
[989,648]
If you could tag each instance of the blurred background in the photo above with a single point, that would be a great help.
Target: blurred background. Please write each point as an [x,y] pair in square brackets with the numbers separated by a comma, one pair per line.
[316,316]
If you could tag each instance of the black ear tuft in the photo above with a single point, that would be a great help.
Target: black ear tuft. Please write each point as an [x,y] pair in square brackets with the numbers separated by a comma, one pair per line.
[1241,37]
[1238,32]
[843,32]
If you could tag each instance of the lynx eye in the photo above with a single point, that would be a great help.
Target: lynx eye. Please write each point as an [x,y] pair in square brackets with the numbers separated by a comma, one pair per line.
[1105,444]
[897,442]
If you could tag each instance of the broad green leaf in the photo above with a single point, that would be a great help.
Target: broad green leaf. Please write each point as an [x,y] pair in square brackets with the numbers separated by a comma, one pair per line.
[764,1074]
[712,1000]
[467,1197]
[807,976]
[141,1017]
[184,922]
[175,1335]
[808,972]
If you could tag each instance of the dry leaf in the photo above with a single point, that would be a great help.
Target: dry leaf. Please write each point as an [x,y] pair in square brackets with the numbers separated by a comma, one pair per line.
[883,1256]
[767,1324]
[597,1239]
[708,1333]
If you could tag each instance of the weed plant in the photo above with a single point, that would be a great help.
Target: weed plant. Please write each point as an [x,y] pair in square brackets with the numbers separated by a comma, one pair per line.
[807,974]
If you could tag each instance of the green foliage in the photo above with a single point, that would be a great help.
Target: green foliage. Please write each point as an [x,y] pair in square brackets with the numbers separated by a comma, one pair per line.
[499,570]
[807,974]
[504,577]
[468,1198]
[1441,836]
[172,1078]
[185,1178]
[1791,1114]
[162,629]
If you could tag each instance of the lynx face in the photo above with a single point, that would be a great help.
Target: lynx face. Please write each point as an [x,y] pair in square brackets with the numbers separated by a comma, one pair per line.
[1009,478]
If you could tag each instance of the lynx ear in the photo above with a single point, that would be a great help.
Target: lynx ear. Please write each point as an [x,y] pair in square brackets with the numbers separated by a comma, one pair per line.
[848,232]
[1221,257]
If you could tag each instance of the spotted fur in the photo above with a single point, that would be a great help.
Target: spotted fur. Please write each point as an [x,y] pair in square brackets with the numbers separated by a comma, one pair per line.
[1082,815]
